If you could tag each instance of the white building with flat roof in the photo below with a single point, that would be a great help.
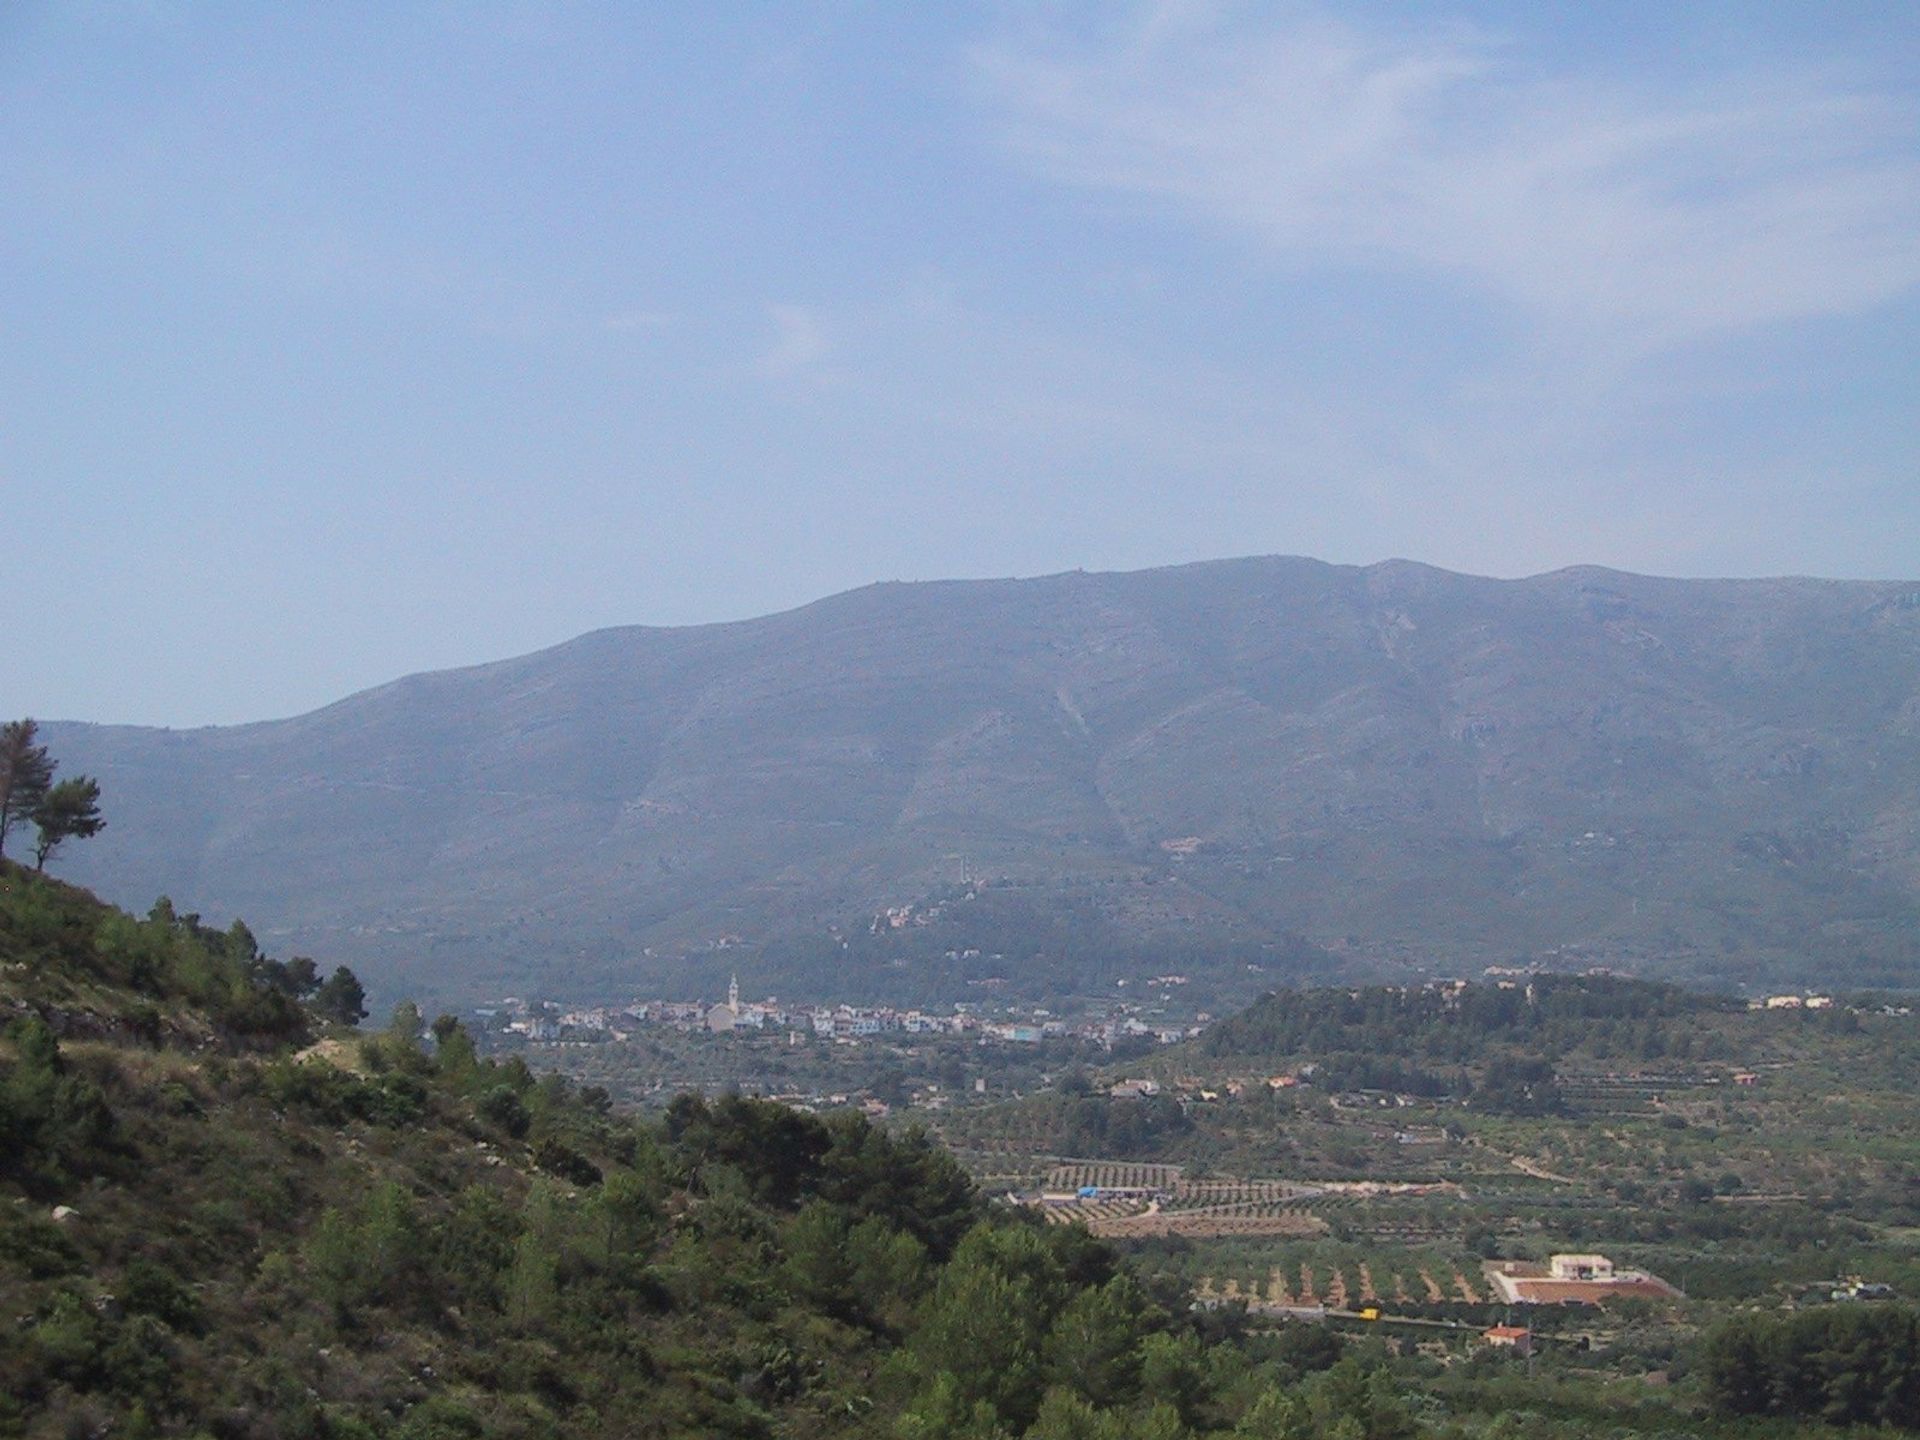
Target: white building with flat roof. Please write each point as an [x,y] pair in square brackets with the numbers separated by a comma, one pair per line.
[1580,1267]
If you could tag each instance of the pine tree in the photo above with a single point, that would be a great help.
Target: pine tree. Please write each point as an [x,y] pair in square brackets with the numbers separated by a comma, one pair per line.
[26,774]
[341,999]
[69,810]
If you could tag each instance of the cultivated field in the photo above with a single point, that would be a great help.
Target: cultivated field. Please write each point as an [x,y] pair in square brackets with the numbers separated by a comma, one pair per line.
[1135,1201]
[1342,1277]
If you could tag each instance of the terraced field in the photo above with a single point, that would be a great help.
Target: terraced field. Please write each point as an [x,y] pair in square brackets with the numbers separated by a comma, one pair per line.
[1112,1174]
[1201,1224]
[1326,1273]
[1134,1201]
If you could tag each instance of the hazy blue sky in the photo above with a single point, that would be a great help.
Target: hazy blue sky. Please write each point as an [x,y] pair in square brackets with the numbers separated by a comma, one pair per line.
[346,340]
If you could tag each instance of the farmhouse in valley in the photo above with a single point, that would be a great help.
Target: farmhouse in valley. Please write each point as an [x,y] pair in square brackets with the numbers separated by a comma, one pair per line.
[1573,1279]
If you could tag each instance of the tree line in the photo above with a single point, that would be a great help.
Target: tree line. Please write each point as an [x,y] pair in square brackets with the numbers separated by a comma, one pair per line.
[1841,1364]
[1548,1015]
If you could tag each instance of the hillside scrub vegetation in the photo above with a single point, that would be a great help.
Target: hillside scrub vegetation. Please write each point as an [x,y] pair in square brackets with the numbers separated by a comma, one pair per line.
[224,1214]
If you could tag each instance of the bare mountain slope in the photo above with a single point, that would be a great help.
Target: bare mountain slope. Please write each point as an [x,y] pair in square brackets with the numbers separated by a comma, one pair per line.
[1687,777]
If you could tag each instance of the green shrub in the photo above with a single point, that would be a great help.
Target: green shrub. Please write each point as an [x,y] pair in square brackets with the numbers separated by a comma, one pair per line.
[502,1107]
[36,1247]
[150,1288]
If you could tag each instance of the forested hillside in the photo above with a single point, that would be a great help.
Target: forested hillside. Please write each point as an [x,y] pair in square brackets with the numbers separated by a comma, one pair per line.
[1495,1043]
[1410,768]
[224,1214]
[219,1225]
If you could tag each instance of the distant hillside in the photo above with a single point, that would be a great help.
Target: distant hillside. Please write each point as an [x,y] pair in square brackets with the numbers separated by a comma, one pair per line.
[1709,779]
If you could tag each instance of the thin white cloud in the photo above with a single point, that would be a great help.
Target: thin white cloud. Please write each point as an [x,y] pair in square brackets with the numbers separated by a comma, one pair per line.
[1643,219]
[632,321]
[800,342]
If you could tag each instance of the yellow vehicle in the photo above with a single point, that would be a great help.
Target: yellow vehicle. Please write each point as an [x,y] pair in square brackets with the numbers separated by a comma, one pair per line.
[1372,1312]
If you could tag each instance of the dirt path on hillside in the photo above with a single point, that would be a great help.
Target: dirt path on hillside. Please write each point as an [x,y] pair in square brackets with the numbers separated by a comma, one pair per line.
[1540,1172]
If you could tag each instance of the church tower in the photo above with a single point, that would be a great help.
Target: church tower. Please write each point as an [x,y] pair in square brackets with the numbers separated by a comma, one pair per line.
[722,1018]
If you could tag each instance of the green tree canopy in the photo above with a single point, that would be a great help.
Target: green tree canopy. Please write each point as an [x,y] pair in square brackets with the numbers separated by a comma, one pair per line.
[69,810]
[341,999]
[1094,1347]
[26,774]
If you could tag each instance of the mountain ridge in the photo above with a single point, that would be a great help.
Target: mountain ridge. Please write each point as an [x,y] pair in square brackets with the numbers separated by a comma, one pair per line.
[1409,765]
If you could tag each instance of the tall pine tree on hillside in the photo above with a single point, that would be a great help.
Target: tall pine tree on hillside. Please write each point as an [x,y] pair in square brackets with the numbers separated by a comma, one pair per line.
[26,774]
